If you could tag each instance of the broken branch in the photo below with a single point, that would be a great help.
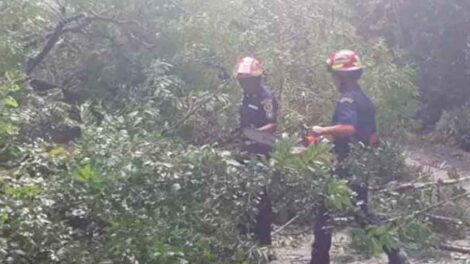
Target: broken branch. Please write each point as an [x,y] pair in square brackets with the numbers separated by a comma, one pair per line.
[285,225]
[444,219]
[463,250]
[429,208]
[53,39]
[33,63]
[196,108]
[420,185]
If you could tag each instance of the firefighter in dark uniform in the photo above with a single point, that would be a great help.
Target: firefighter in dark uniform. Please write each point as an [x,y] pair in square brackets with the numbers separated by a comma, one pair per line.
[353,121]
[258,111]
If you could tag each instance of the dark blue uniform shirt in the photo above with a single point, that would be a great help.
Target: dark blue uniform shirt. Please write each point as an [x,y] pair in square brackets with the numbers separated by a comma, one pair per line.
[257,110]
[356,109]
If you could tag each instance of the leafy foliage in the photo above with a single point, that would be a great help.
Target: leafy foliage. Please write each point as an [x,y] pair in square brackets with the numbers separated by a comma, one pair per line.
[384,168]
[378,165]
[439,47]
[454,124]
[121,199]
[372,240]
[110,112]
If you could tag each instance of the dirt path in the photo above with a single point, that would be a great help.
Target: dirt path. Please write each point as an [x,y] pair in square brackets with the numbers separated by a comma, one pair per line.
[438,160]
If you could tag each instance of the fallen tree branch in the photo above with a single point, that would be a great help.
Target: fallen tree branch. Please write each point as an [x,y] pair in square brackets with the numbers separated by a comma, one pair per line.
[285,225]
[52,40]
[196,108]
[419,185]
[297,233]
[429,208]
[444,219]
[34,62]
[82,21]
[459,249]
[60,29]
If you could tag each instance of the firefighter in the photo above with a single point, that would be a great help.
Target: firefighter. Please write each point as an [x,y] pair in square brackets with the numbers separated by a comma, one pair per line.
[353,121]
[258,111]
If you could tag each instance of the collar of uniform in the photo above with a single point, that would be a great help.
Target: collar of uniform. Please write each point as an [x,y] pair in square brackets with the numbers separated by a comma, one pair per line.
[256,94]
[354,88]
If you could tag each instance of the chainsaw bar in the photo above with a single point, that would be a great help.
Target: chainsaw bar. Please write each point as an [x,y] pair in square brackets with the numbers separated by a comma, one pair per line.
[260,137]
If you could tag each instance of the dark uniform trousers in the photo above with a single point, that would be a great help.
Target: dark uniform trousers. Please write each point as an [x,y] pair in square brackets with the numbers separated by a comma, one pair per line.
[261,225]
[323,226]
[264,219]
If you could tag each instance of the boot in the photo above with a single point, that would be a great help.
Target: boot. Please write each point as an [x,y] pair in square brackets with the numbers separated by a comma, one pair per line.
[263,223]
[398,257]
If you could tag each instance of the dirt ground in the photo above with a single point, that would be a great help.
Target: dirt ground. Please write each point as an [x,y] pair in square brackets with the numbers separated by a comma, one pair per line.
[438,160]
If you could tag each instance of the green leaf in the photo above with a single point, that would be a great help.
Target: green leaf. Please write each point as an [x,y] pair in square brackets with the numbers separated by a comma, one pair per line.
[57,152]
[10,101]
[4,218]
[7,128]
[339,195]
[87,175]
[14,88]
[23,192]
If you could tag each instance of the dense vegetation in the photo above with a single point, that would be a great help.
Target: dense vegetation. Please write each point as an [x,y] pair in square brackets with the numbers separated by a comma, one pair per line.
[433,35]
[112,113]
